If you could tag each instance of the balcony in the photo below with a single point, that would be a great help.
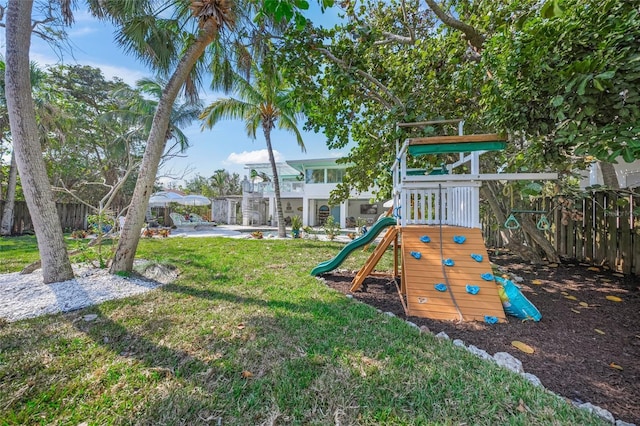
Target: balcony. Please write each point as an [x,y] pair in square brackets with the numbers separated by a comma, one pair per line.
[285,188]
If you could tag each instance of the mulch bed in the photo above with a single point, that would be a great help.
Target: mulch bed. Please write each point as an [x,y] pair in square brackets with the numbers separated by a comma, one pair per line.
[584,353]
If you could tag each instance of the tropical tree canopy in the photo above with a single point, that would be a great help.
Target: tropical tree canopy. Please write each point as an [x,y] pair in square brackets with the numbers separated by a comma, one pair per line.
[560,78]
[220,184]
[263,101]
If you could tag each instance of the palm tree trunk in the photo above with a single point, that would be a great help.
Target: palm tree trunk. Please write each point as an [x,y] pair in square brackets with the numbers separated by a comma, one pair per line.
[282,230]
[10,200]
[22,119]
[130,234]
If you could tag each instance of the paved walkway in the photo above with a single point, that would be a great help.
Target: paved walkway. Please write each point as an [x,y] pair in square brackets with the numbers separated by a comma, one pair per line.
[239,231]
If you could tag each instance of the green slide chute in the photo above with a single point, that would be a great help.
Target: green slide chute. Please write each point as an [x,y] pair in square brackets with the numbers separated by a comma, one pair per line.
[365,239]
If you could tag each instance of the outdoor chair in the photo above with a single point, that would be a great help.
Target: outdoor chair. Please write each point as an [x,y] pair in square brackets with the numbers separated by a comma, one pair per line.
[200,220]
[186,224]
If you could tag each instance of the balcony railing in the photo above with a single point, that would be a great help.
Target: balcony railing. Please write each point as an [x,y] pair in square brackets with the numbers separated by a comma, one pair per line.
[267,187]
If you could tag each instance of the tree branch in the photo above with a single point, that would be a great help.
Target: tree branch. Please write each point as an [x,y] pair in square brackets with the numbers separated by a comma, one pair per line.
[34,24]
[371,79]
[473,36]
[395,38]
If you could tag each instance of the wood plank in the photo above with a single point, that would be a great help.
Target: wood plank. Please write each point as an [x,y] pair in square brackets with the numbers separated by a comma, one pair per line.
[374,258]
[588,231]
[489,137]
[626,237]
[421,275]
[611,218]
[635,238]
[570,238]
[600,234]
[579,234]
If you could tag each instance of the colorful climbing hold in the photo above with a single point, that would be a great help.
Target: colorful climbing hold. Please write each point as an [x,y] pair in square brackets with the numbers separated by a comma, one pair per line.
[448,262]
[487,276]
[440,287]
[472,289]
[416,254]
[476,257]
[459,239]
[425,239]
[490,319]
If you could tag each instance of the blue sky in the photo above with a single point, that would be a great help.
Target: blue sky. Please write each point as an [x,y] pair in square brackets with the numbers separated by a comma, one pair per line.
[226,146]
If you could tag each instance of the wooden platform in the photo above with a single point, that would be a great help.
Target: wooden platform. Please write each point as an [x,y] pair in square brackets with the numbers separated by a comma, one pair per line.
[419,276]
[433,140]
[453,144]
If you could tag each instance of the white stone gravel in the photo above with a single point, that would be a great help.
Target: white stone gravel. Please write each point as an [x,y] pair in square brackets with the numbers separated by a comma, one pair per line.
[26,296]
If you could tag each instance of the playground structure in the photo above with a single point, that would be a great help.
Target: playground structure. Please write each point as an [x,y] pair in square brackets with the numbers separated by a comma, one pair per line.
[438,249]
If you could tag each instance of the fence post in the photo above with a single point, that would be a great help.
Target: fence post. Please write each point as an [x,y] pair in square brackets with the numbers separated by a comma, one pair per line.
[588,229]
[612,230]
[635,237]
[579,231]
[625,240]
[600,237]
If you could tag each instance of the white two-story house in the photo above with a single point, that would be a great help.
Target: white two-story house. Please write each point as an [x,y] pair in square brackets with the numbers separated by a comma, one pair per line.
[305,186]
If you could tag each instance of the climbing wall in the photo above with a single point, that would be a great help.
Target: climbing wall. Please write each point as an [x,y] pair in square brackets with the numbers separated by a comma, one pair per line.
[432,295]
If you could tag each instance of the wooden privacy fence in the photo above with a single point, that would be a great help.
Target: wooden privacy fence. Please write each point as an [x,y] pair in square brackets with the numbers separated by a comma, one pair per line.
[72,216]
[602,230]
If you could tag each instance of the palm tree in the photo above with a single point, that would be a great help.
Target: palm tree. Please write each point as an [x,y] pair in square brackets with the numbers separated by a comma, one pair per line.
[36,76]
[138,109]
[24,134]
[264,103]
[165,43]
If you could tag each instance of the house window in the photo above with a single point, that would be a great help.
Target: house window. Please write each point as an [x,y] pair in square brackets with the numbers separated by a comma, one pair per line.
[314,176]
[335,175]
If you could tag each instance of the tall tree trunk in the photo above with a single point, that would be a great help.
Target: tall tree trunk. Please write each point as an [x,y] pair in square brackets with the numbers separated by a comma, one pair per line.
[282,230]
[130,234]
[609,176]
[22,120]
[513,240]
[10,200]
[530,228]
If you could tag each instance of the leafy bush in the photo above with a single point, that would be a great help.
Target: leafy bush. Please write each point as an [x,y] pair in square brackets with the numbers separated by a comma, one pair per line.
[331,228]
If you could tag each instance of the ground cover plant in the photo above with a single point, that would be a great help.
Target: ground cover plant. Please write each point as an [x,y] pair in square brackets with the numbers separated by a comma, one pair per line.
[247,336]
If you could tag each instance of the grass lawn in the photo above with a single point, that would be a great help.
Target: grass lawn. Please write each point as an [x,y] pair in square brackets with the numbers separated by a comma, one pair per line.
[246,336]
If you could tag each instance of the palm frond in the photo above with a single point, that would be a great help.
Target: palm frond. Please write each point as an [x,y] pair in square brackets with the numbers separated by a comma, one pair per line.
[252,123]
[224,109]
[289,123]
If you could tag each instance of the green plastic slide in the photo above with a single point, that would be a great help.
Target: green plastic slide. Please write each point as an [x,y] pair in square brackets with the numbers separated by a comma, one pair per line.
[365,239]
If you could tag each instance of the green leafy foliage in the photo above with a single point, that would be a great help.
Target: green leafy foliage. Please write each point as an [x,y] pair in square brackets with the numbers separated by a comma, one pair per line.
[561,78]
[569,79]
[220,184]
[331,227]
[358,82]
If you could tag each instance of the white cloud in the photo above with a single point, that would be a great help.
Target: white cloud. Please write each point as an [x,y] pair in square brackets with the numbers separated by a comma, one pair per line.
[249,157]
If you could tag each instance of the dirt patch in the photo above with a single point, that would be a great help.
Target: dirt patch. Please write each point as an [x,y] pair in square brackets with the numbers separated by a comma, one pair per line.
[587,348]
